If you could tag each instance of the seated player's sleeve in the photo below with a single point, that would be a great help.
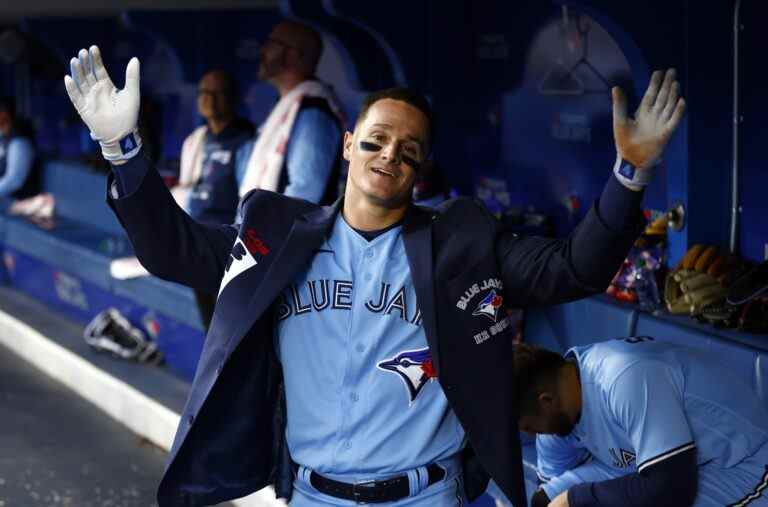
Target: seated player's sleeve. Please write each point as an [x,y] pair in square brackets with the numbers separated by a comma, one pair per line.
[561,462]
[673,481]
[555,455]
[592,471]
[312,149]
[21,155]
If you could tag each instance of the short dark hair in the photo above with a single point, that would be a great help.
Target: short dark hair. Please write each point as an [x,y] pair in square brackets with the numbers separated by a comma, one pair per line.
[403,94]
[536,370]
[8,104]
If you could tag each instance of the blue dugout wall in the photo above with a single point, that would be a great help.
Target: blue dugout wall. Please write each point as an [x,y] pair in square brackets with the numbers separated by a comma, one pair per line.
[492,70]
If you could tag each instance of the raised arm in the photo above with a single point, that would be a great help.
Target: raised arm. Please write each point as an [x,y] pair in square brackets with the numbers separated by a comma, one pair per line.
[167,241]
[551,271]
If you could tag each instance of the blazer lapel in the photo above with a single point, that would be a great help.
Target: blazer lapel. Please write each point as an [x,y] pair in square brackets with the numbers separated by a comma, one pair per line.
[303,240]
[417,235]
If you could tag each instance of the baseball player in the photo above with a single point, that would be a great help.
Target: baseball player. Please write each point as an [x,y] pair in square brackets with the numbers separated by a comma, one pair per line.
[359,352]
[636,421]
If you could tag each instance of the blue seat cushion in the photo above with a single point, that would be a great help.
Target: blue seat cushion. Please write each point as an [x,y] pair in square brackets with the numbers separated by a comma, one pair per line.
[165,297]
[69,245]
[87,252]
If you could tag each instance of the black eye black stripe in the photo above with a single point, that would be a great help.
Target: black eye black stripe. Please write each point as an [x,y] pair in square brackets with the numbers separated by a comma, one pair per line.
[411,162]
[368,146]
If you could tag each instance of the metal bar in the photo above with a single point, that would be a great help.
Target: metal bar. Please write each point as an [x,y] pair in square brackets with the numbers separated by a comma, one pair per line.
[735,205]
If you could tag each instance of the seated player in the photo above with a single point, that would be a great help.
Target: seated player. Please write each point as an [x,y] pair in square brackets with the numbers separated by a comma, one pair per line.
[636,421]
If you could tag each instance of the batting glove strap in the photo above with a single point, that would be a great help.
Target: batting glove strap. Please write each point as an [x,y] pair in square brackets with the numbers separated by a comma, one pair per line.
[630,175]
[123,149]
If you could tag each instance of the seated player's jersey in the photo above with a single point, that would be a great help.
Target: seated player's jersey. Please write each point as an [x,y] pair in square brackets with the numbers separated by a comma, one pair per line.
[362,397]
[644,401]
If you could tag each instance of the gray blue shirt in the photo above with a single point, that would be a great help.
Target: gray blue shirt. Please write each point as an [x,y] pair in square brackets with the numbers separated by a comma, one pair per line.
[311,155]
[17,156]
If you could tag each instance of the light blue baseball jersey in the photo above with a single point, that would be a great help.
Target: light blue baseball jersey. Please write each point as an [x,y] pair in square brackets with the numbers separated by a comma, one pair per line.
[362,398]
[644,401]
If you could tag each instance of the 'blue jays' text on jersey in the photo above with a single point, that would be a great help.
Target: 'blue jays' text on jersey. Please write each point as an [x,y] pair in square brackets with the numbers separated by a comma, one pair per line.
[361,393]
[645,400]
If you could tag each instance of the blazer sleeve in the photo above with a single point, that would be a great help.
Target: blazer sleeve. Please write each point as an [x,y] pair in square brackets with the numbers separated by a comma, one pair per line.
[167,241]
[539,271]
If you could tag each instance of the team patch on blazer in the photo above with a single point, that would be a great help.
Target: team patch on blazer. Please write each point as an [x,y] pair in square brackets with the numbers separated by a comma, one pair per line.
[415,369]
[477,288]
[490,306]
[254,244]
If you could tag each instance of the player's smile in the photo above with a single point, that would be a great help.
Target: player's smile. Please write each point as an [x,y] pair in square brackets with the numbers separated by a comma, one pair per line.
[385,152]
[385,172]
[385,175]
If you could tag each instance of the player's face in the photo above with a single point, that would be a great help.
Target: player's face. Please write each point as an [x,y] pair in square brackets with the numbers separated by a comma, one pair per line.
[274,53]
[212,99]
[548,418]
[385,152]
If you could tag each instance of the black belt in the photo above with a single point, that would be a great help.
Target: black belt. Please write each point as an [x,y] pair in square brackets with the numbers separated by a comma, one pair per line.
[387,490]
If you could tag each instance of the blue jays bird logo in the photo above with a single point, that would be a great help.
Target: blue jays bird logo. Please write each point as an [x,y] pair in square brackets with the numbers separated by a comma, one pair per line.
[489,306]
[415,369]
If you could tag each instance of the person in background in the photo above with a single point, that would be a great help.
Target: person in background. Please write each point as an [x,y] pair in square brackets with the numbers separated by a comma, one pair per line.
[208,187]
[18,177]
[298,149]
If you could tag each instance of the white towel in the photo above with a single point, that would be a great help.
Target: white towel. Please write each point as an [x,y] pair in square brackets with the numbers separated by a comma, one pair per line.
[266,161]
[190,165]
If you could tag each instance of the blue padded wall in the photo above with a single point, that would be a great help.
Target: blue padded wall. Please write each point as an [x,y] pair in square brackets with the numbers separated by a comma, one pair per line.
[81,195]
[483,65]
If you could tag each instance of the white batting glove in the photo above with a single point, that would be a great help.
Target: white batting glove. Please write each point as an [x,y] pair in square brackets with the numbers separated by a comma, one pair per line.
[109,113]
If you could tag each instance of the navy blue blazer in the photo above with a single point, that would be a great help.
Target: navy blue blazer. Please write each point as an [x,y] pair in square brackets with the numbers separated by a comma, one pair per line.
[230,441]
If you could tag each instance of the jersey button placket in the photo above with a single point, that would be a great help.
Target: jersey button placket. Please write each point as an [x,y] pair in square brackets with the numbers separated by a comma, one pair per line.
[346,404]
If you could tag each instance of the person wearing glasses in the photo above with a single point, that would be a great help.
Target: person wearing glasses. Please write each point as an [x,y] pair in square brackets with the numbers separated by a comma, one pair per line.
[296,151]
[208,188]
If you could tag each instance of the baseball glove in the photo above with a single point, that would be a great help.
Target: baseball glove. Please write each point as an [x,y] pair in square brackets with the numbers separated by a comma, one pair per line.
[110,331]
[701,279]
[749,293]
